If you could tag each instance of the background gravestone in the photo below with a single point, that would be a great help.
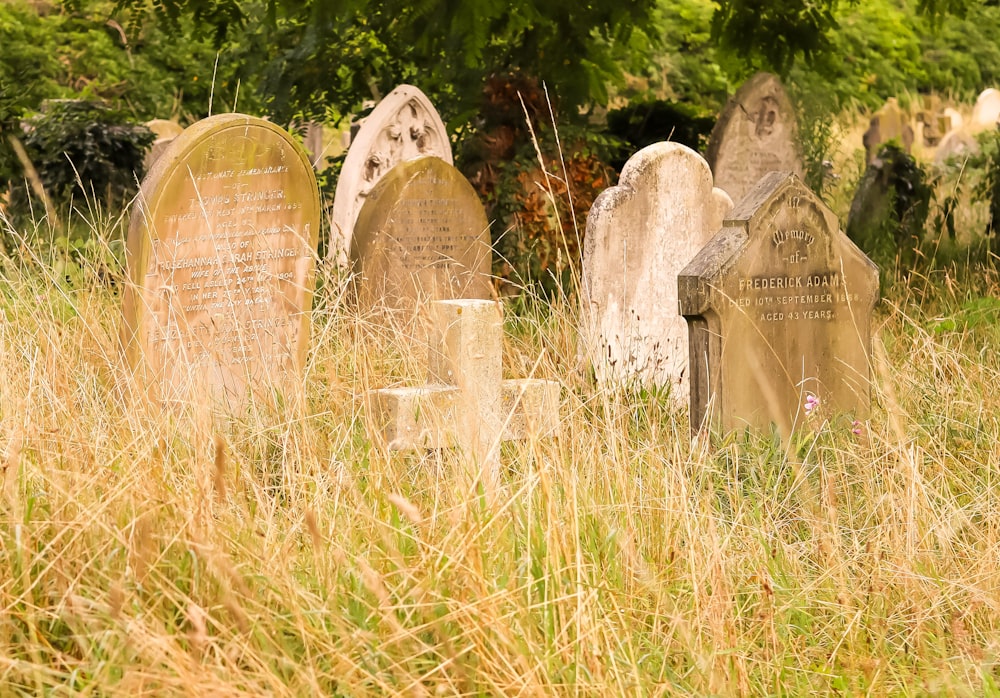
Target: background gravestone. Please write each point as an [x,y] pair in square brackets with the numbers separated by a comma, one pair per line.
[888,123]
[221,250]
[986,112]
[778,306]
[757,133]
[421,235]
[640,234]
[403,126]
[889,209]
[165,132]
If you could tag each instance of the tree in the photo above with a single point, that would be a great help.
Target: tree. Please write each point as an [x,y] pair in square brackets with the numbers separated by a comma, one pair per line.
[318,56]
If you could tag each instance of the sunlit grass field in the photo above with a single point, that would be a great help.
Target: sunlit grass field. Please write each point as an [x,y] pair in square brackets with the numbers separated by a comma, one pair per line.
[282,552]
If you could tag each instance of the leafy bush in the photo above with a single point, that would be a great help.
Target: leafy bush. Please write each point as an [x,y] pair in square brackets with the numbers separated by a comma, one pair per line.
[83,150]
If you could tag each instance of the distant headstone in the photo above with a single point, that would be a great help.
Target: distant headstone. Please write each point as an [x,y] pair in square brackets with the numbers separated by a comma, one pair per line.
[888,123]
[889,209]
[956,145]
[421,235]
[954,118]
[466,403]
[779,308]
[165,131]
[403,126]
[757,133]
[640,234]
[986,113]
[221,250]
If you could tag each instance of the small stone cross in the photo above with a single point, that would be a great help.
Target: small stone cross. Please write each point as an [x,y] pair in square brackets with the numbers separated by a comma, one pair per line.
[465,403]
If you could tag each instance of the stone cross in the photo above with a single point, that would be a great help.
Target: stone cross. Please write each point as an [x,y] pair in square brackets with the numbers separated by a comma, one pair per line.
[465,403]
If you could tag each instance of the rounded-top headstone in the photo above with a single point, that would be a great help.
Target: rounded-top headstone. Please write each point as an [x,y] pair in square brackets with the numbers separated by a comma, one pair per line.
[421,235]
[757,133]
[986,113]
[640,234]
[221,251]
[403,126]
[165,131]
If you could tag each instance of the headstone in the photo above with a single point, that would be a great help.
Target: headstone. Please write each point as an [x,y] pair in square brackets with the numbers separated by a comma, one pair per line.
[889,209]
[465,403]
[986,113]
[954,118]
[421,235]
[640,234]
[779,308]
[403,126]
[221,250]
[757,133]
[933,122]
[165,131]
[956,145]
[888,123]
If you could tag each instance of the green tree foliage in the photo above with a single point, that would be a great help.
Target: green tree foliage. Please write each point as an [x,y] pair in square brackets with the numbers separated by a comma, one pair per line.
[317,56]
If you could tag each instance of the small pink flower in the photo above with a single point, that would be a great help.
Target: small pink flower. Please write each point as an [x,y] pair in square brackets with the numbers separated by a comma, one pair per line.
[856,428]
[812,402]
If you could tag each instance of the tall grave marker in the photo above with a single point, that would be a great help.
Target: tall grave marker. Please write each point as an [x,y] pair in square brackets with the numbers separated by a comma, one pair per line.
[403,126]
[640,234]
[757,133]
[779,308]
[221,250]
[421,235]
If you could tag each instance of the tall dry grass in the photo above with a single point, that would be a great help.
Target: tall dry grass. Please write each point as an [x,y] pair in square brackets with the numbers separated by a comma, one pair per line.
[147,552]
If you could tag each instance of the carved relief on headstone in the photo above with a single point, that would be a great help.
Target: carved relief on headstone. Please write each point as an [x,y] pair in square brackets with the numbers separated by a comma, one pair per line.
[640,234]
[986,113]
[779,308]
[757,133]
[887,124]
[403,126]
[221,250]
[421,235]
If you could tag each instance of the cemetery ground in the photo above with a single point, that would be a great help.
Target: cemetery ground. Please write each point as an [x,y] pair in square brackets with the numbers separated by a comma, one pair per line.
[151,552]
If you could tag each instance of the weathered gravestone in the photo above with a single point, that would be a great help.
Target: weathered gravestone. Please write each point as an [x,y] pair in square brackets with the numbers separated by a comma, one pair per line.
[465,403]
[956,145]
[986,112]
[779,307]
[640,234]
[757,133]
[403,126]
[888,123]
[221,250]
[421,235]
[889,209]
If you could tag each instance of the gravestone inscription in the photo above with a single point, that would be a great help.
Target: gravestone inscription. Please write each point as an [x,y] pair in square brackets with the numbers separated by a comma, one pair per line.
[421,235]
[220,253]
[640,234]
[403,126]
[756,133]
[779,308]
